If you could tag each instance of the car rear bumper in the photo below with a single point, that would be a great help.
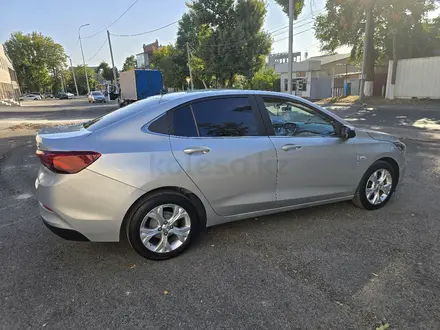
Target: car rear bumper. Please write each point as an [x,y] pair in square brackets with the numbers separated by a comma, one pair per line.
[68,234]
[86,203]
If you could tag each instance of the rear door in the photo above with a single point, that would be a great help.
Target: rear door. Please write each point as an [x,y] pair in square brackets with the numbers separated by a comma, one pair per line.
[220,144]
[314,163]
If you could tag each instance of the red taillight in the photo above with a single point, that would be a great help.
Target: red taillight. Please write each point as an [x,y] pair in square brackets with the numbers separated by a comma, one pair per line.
[67,162]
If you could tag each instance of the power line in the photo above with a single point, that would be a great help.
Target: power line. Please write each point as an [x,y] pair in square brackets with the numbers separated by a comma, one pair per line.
[312,16]
[242,42]
[169,24]
[91,58]
[141,33]
[113,21]
[304,24]
[295,34]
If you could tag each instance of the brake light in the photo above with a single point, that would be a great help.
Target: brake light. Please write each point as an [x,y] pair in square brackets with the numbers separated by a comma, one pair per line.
[67,162]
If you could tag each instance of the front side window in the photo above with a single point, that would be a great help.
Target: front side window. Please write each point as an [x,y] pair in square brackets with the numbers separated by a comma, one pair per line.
[291,119]
[225,117]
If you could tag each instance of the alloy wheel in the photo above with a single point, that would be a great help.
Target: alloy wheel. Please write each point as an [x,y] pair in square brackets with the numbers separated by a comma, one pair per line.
[378,186]
[165,228]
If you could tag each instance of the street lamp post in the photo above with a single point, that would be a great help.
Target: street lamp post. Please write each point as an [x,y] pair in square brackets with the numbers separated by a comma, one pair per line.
[82,53]
[73,74]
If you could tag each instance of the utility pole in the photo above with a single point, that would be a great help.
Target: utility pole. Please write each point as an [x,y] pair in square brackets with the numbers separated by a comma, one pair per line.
[62,82]
[189,67]
[73,74]
[369,21]
[82,53]
[290,63]
[115,79]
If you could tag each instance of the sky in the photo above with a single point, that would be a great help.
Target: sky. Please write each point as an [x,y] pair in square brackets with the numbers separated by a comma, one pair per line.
[61,22]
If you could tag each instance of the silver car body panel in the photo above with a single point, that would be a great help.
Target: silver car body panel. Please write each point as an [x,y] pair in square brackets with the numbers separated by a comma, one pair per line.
[238,178]
[237,175]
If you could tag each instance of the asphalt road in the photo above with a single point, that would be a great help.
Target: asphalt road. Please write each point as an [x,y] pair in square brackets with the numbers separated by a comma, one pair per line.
[327,267]
[54,109]
[400,116]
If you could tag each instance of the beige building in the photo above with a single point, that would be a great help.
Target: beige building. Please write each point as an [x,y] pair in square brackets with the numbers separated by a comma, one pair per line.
[9,89]
[313,77]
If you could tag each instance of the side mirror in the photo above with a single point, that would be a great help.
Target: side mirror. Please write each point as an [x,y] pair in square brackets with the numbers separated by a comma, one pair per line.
[347,132]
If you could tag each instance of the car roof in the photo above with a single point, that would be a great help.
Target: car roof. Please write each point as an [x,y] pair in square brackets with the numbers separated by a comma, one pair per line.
[202,93]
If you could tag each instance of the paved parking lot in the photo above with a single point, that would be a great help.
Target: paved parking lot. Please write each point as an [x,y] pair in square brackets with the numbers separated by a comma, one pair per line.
[326,267]
[55,109]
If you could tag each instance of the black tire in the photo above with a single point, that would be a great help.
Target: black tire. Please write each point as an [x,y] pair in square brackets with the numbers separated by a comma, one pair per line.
[138,214]
[360,199]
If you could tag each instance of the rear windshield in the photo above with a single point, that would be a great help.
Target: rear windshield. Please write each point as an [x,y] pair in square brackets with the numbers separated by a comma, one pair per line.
[117,115]
[96,93]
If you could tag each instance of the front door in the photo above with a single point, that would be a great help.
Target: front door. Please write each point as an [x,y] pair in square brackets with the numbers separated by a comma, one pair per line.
[314,164]
[220,144]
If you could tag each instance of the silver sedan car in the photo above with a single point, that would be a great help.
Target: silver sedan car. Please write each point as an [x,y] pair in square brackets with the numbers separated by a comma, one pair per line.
[160,170]
[96,96]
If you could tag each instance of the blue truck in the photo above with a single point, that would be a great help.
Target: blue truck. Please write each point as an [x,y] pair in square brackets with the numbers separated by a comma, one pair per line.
[139,84]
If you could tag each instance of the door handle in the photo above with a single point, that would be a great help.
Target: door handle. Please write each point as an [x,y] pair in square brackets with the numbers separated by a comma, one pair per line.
[195,150]
[288,147]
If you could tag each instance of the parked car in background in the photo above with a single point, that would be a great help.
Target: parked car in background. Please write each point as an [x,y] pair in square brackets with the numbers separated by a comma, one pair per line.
[48,95]
[96,96]
[161,169]
[37,93]
[30,97]
[66,96]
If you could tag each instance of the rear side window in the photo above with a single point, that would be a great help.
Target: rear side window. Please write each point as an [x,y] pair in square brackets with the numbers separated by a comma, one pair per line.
[160,125]
[117,115]
[225,117]
[183,122]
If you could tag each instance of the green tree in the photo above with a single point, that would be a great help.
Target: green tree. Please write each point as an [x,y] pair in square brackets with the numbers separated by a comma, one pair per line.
[129,63]
[398,22]
[105,70]
[36,59]
[80,79]
[165,60]
[297,8]
[225,38]
[265,79]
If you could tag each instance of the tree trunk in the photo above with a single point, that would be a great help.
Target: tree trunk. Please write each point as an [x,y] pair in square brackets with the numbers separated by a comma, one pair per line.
[395,62]
[204,84]
[369,69]
[395,59]
[231,80]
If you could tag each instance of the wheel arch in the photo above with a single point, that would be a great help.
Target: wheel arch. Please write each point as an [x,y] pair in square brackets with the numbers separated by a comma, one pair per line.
[394,165]
[195,200]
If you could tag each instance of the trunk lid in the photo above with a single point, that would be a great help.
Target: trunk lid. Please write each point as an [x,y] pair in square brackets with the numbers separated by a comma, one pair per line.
[62,138]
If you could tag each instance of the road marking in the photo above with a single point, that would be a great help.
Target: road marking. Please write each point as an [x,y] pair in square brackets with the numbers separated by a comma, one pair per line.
[23,196]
